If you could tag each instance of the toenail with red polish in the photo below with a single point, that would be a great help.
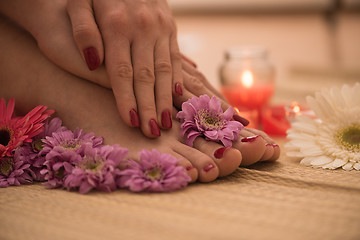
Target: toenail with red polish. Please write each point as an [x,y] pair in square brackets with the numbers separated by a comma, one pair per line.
[178,89]
[241,120]
[134,118]
[188,168]
[92,58]
[154,127]
[250,139]
[219,153]
[209,167]
[275,145]
[269,145]
[166,119]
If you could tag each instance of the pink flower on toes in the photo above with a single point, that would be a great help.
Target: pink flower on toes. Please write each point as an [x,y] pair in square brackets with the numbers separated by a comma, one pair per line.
[155,172]
[97,170]
[16,130]
[202,116]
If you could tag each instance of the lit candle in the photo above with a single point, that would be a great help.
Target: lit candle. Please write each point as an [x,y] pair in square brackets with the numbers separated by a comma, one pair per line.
[247,77]
[248,93]
[295,109]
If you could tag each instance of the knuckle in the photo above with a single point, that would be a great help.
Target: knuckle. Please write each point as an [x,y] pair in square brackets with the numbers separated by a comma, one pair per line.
[175,56]
[165,97]
[147,108]
[163,19]
[195,84]
[115,19]
[82,30]
[163,67]
[145,75]
[124,71]
[144,20]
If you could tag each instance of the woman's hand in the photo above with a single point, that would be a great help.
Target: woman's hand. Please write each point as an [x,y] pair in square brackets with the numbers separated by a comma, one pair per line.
[137,39]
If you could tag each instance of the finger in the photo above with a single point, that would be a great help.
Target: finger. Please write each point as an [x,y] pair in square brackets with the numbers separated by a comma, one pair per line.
[187,59]
[118,60]
[188,68]
[177,73]
[144,85]
[86,33]
[163,83]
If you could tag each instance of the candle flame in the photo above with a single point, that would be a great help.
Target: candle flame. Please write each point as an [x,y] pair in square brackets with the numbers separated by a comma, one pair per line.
[296,109]
[247,79]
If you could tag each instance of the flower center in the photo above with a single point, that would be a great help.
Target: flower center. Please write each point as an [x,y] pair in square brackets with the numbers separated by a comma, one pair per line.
[5,136]
[6,166]
[349,138]
[37,145]
[71,144]
[154,173]
[91,163]
[210,120]
[59,173]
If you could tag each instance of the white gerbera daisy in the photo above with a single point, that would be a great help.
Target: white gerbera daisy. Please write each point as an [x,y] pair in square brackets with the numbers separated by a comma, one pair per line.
[332,140]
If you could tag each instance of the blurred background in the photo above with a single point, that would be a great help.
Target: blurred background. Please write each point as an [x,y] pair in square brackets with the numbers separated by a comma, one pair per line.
[312,43]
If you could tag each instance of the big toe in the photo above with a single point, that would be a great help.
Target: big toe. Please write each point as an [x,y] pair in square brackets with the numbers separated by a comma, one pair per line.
[227,159]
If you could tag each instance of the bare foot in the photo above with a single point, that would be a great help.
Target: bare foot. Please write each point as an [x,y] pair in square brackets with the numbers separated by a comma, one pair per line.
[33,80]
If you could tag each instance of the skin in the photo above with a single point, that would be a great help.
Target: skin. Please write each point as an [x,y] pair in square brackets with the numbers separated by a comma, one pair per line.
[40,82]
[136,38]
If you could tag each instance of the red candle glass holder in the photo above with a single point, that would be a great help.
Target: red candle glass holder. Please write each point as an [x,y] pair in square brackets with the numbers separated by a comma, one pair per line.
[247,77]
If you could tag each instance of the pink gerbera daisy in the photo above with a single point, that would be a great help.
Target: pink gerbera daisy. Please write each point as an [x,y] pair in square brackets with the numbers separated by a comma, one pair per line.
[155,172]
[202,116]
[97,169]
[16,130]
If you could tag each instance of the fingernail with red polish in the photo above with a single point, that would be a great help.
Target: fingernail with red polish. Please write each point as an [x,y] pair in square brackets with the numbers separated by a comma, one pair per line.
[242,120]
[154,127]
[166,119]
[134,118]
[250,139]
[188,168]
[209,167]
[219,153]
[92,58]
[178,89]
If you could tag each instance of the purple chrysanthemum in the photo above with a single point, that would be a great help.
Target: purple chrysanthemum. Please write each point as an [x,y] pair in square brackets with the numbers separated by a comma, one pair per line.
[98,169]
[63,151]
[30,152]
[14,171]
[155,172]
[202,116]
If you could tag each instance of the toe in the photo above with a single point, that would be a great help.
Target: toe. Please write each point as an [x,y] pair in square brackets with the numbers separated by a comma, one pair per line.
[186,164]
[252,148]
[269,152]
[206,168]
[269,140]
[227,159]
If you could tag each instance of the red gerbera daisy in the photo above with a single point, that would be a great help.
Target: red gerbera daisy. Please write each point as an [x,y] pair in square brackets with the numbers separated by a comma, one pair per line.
[16,130]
